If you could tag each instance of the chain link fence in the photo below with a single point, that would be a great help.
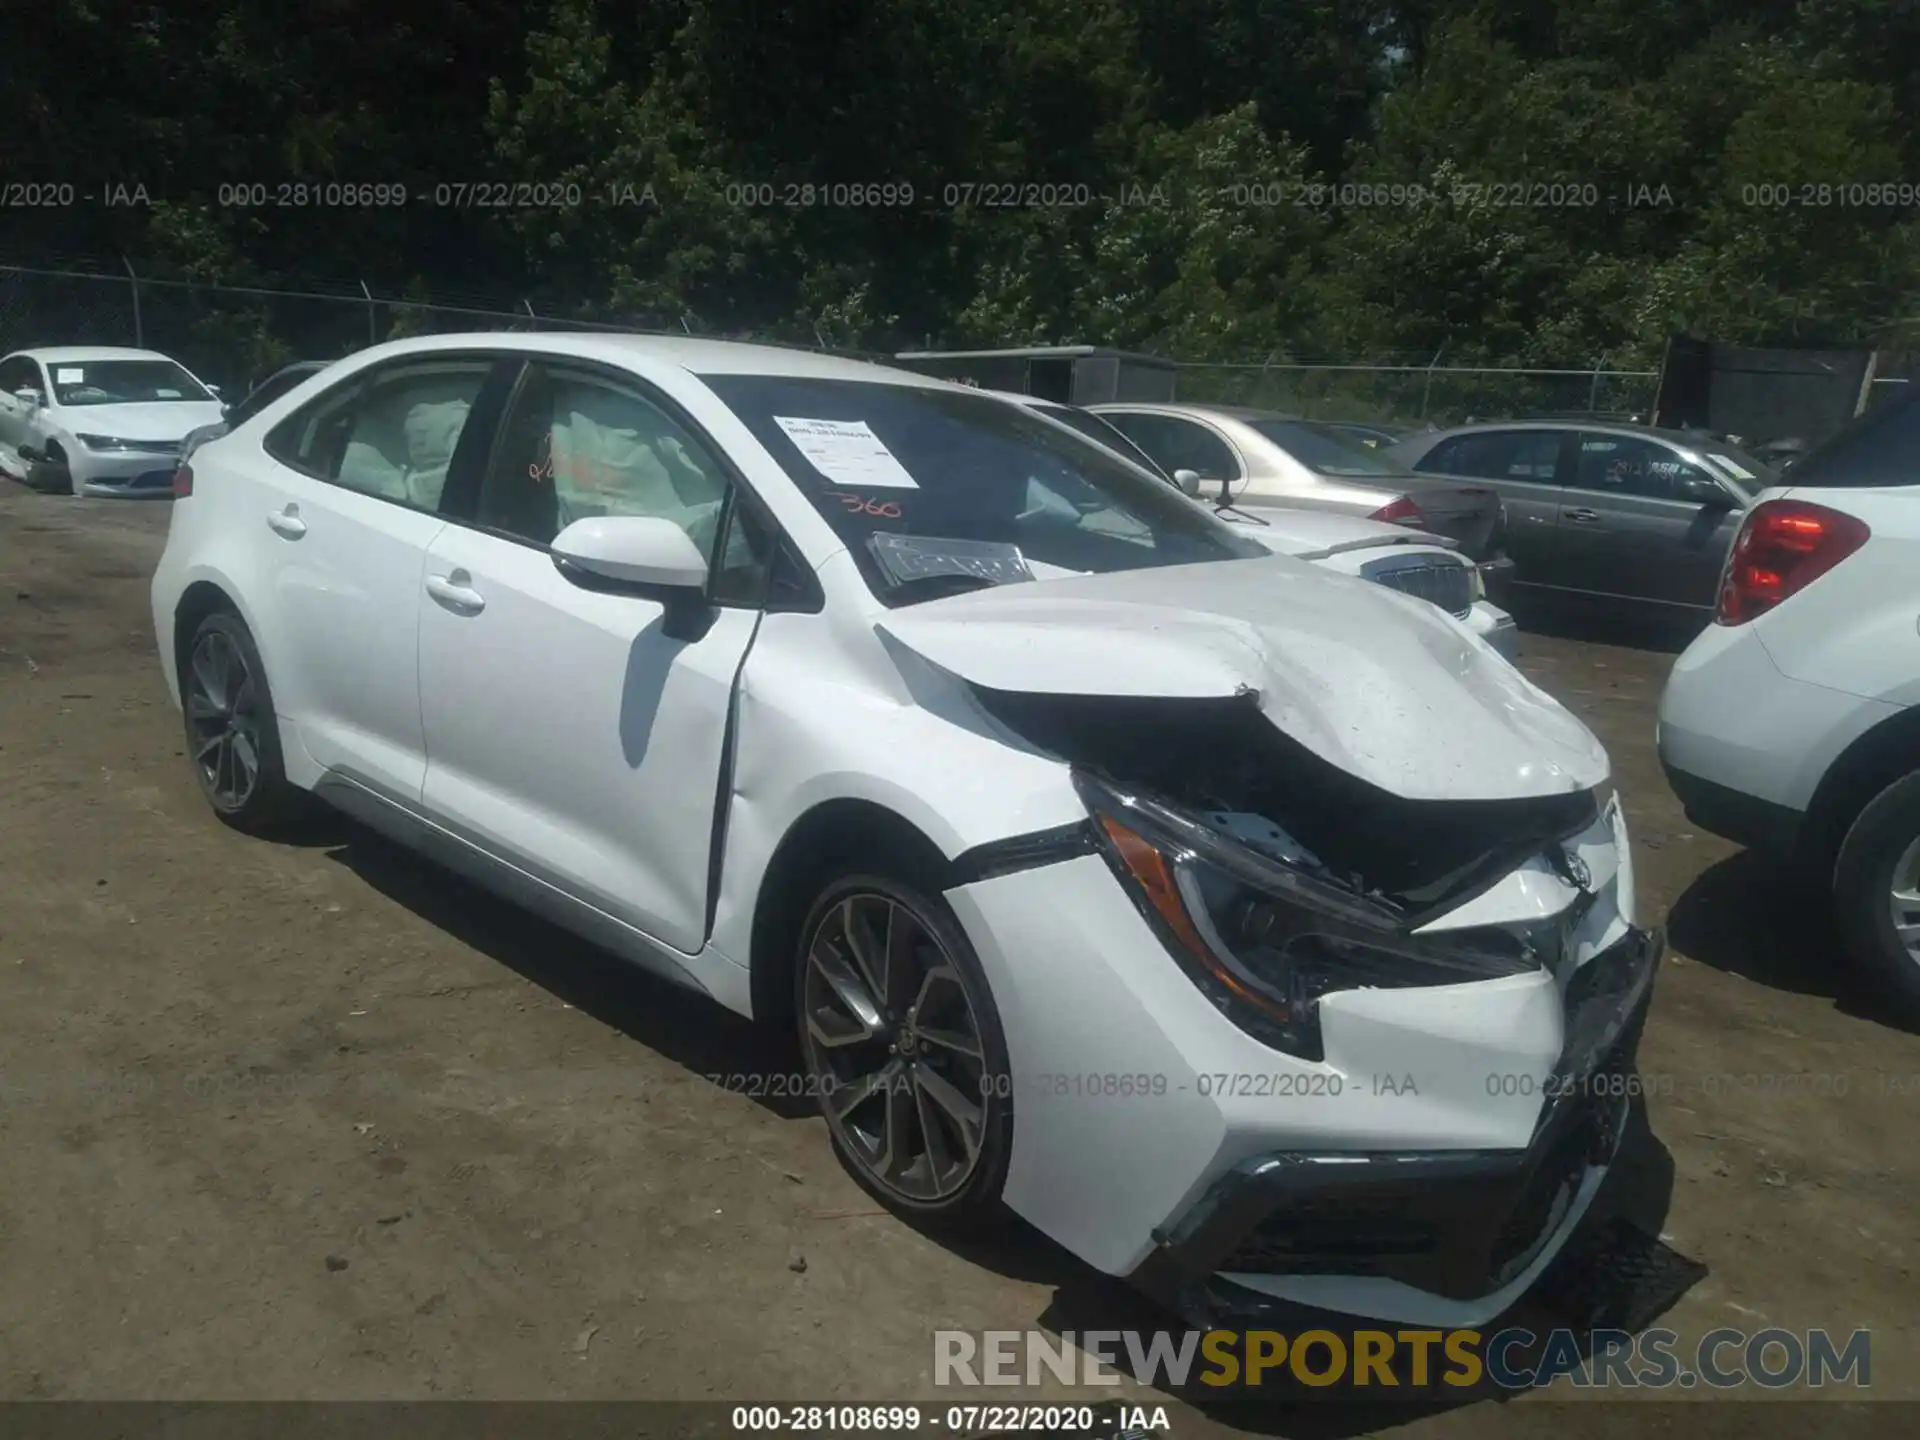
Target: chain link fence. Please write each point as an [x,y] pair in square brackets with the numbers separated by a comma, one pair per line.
[1418,394]
[232,336]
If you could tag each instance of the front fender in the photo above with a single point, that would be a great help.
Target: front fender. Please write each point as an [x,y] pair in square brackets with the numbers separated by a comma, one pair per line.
[809,731]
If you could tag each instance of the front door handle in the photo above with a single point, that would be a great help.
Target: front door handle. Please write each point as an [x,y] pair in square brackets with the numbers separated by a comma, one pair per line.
[455,593]
[287,523]
[1582,516]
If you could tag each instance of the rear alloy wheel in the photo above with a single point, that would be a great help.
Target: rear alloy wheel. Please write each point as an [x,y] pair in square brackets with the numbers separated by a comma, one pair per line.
[904,1050]
[1876,884]
[233,738]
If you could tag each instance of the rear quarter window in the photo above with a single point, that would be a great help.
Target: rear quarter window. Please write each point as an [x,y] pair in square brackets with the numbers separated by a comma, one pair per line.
[1880,448]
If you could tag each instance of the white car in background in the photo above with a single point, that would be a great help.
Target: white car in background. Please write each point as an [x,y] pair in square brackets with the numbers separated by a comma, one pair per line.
[1086,848]
[98,420]
[1412,561]
[1792,723]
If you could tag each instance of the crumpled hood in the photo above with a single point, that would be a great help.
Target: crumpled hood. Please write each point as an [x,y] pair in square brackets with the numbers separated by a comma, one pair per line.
[1382,685]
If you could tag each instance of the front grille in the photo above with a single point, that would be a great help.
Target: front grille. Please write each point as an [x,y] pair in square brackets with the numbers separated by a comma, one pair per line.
[1462,1235]
[1450,586]
[1335,1238]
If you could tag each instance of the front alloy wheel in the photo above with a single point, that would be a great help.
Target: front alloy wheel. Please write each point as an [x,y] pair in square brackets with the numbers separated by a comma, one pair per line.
[903,1048]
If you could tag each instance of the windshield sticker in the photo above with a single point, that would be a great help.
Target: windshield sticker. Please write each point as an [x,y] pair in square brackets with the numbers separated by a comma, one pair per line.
[71,375]
[920,557]
[847,453]
[866,505]
[168,394]
[1740,472]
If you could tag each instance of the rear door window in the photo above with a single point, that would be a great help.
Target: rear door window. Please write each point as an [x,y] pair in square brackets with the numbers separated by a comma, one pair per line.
[1530,455]
[391,433]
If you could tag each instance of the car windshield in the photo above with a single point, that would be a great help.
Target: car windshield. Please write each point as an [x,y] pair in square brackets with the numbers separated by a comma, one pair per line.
[123,382]
[1104,433]
[1326,450]
[270,390]
[939,491]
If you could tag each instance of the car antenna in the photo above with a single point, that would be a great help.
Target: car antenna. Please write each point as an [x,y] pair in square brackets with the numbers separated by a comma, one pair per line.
[1225,506]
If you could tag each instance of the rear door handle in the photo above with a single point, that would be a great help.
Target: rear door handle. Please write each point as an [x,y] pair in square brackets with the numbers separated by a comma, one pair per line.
[1582,516]
[287,522]
[453,592]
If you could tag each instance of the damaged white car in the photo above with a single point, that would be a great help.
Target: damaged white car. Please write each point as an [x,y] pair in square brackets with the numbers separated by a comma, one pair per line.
[1248,928]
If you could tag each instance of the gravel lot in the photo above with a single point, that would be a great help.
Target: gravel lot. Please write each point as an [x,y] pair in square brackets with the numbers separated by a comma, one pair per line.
[317,1121]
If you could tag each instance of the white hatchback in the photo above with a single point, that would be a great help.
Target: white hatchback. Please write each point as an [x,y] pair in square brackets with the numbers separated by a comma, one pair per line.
[1248,928]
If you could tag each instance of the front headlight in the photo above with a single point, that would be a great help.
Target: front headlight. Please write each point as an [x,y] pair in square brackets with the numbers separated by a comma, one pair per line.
[105,442]
[1265,937]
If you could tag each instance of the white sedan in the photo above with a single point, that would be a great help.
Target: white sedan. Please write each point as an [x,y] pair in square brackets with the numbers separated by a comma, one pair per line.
[98,420]
[1209,935]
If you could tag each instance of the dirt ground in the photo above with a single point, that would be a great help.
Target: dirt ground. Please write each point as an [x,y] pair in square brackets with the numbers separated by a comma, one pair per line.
[317,1121]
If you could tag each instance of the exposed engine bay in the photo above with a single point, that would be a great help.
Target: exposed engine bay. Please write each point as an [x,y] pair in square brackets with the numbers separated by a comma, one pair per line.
[1225,761]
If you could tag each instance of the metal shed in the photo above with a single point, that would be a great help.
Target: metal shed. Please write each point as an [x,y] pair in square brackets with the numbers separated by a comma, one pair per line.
[1069,374]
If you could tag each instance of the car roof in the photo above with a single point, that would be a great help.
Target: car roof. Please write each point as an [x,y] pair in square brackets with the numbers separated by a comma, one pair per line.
[1038,352]
[1181,407]
[1600,427]
[698,357]
[66,354]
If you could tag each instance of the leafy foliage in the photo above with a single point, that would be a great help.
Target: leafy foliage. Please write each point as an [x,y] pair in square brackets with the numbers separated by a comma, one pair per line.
[1550,182]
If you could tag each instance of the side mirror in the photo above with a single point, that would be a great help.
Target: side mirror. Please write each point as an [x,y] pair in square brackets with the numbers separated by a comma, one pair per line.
[31,396]
[1188,481]
[1697,490]
[634,550]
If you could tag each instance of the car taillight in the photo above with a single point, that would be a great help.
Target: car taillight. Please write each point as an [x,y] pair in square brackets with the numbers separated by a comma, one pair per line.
[1400,512]
[183,482]
[1783,547]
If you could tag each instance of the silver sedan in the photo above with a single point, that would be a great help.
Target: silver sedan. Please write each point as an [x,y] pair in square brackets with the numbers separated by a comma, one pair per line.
[1259,456]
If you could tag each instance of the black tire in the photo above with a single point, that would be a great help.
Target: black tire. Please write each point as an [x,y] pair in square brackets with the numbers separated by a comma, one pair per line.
[270,801]
[1863,883]
[971,1205]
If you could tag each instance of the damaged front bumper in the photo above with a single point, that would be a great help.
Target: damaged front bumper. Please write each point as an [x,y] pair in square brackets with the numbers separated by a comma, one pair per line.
[1435,1236]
